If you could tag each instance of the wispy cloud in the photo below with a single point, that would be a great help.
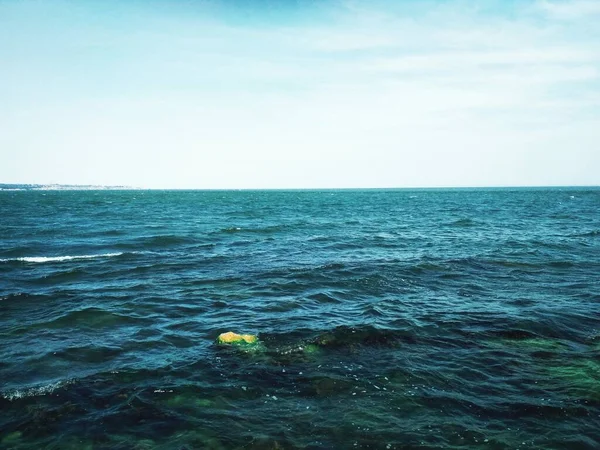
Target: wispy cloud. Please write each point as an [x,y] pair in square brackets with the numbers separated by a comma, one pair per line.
[571,9]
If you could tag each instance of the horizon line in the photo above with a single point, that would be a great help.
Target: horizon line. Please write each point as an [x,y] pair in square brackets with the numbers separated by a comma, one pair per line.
[92,187]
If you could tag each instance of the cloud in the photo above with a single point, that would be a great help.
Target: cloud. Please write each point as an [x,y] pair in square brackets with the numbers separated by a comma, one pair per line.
[574,9]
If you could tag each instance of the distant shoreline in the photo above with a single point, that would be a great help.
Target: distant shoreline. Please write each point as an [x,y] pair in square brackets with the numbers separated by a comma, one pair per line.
[72,187]
[61,187]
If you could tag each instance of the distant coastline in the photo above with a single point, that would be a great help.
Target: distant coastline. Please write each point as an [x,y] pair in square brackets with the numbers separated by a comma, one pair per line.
[60,187]
[90,187]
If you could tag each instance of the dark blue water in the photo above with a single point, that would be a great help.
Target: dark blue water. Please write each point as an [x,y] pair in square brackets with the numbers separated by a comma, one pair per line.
[387,319]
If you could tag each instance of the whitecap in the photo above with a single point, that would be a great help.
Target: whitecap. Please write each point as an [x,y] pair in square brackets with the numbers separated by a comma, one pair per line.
[43,259]
[35,391]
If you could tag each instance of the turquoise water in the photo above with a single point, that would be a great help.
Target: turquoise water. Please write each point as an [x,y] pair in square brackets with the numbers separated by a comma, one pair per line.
[425,319]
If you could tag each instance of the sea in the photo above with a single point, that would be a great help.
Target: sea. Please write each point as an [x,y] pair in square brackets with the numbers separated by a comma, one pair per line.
[385,319]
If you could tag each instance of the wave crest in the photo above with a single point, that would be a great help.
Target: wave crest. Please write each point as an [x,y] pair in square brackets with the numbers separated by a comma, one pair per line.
[44,259]
[35,391]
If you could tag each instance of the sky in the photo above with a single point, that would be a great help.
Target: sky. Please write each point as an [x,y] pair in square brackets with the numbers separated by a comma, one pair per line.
[234,94]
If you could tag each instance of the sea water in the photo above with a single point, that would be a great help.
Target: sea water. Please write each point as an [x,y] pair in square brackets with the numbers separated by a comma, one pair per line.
[392,319]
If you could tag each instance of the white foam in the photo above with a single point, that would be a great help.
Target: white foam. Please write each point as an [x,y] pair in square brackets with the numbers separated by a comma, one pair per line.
[43,259]
[34,391]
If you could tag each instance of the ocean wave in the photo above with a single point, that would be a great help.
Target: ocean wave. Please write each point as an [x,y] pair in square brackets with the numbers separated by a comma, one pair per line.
[15,295]
[90,318]
[167,240]
[269,229]
[592,233]
[465,222]
[44,259]
[36,391]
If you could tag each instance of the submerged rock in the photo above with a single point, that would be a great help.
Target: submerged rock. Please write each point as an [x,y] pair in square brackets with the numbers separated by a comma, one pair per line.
[11,438]
[311,349]
[282,349]
[355,337]
[580,378]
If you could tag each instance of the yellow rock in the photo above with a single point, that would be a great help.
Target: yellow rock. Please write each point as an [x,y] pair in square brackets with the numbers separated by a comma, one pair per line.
[234,338]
